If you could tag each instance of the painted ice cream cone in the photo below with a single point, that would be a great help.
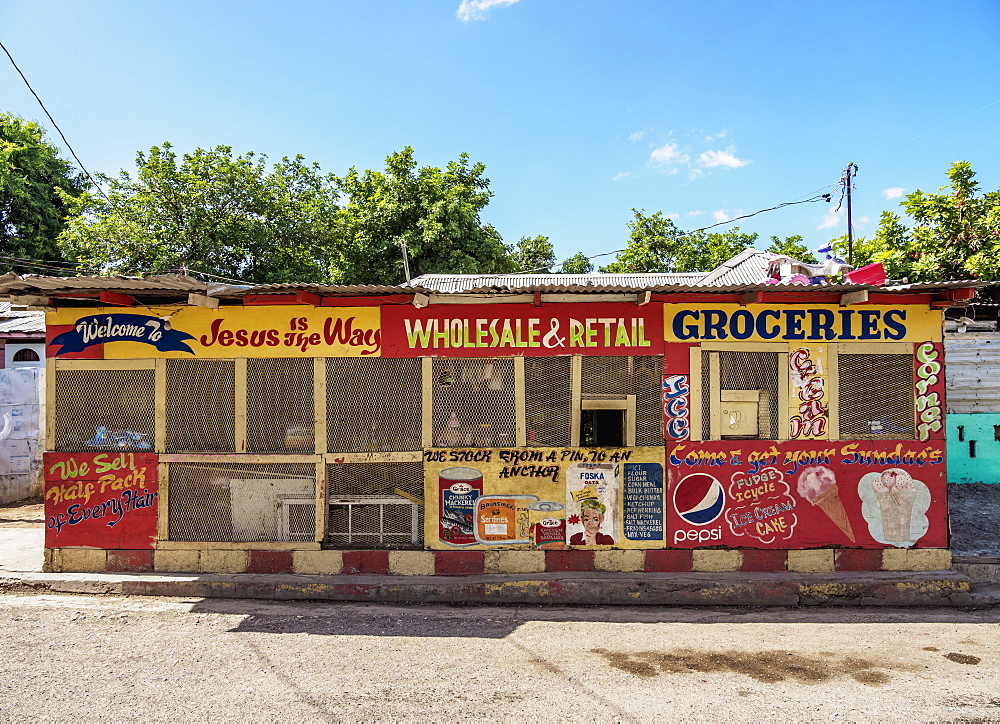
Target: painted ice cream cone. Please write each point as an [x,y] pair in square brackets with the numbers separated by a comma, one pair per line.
[818,485]
[894,491]
[829,501]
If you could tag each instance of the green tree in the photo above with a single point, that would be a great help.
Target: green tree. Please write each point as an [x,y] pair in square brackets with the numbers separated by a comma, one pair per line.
[657,245]
[792,246]
[534,253]
[577,264]
[435,212]
[210,211]
[955,233]
[36,187]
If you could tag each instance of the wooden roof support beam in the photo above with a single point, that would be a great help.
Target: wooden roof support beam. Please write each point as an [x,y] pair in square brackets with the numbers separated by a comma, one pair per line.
[854,297]
[421,300]
[303,297]
[751,298]
[643,298]
[117,299]
[200,300]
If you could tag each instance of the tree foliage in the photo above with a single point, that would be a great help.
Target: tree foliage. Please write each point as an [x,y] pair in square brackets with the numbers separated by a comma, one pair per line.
[533,254]
[792,246]
[955,233]
[435,212]
[657,245]
[577,264]
[210,211]
[36,187]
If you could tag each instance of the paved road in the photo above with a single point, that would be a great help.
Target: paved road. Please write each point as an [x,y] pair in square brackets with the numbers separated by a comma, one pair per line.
[125,659]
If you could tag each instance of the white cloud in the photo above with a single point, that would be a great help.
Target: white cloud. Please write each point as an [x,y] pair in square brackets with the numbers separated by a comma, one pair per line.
[622,174]
[712,159]
[477,9]
[669,154]
[715,136]
[864,220]
[673,217]
[894,192]
[637,136]
[831,219]
[720,215]
[695,213]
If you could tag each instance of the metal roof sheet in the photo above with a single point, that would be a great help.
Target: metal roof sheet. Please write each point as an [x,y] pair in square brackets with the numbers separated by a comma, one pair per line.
[747,267]
[452,283]
[27,322]
[319,289]
[163,282]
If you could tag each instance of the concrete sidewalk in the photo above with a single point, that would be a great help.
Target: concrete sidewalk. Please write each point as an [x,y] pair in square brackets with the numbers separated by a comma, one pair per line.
[935,588]
[975,583]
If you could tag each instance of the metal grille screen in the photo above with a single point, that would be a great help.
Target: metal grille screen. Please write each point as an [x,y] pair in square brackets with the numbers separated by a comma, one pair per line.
[280,406]
[743,371]
[374,504]
[474,403]
[639,376]
[235,502]
[200,411]
[104,409]
[373,404]
[876,396]
[548,400]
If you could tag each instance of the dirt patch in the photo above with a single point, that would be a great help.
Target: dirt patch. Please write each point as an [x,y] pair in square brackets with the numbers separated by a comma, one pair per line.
[974,509]
[963,658]
[28,513]
[765,666]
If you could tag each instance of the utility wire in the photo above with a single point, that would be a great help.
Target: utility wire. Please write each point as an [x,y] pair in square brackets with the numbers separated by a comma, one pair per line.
[56,125]
[800,200]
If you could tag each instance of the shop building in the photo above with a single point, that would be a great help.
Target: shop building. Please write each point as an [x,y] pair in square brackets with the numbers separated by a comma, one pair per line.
[456,426]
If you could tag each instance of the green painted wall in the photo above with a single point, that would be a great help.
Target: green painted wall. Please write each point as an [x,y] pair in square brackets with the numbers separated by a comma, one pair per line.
[978,431]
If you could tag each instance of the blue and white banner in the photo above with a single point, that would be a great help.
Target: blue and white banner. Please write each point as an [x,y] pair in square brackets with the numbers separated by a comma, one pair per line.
[103,328]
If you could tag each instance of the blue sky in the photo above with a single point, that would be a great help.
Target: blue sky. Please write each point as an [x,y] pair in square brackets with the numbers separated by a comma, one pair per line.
[580,109]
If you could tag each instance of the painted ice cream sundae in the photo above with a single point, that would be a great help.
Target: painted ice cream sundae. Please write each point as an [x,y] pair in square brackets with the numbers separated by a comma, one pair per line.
[894,490]
[818,485]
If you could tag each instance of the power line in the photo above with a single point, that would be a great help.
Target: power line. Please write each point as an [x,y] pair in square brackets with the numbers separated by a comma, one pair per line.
[55,125]
[800,200]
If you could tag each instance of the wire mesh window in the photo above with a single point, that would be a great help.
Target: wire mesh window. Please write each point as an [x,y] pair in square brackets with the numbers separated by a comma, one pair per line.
[639,376]
[548,400]
[280,406]
[374,404]
[375,505]
[743,371]
[200,405]
[104,409]
[875,396]
[474,403]
[237,502]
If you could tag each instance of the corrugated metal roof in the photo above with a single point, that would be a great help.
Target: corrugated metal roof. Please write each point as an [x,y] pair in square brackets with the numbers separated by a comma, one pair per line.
[452,283]
[27,322]
[747,267]
[163,282]
[318,289]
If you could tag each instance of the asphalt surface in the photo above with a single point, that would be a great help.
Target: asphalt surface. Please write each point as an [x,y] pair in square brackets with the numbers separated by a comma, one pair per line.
[147,659]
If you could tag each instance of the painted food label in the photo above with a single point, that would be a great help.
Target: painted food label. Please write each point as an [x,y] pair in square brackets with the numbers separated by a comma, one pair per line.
[459,488]
[592,504]
[503,519]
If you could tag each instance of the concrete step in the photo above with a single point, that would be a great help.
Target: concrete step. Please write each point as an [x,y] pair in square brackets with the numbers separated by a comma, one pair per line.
[934,588]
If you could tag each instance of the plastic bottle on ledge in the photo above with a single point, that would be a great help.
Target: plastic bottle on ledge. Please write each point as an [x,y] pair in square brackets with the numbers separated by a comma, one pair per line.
[449,435]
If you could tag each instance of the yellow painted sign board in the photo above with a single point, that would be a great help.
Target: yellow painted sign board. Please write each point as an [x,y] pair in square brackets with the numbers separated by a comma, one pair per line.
[806,323]
[227,332]
[544,498]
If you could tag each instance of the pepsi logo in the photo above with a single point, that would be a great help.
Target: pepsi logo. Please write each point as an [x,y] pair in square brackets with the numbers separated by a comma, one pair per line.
[699,498]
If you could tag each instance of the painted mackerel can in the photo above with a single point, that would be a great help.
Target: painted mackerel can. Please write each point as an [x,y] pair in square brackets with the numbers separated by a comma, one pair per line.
[459,489]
